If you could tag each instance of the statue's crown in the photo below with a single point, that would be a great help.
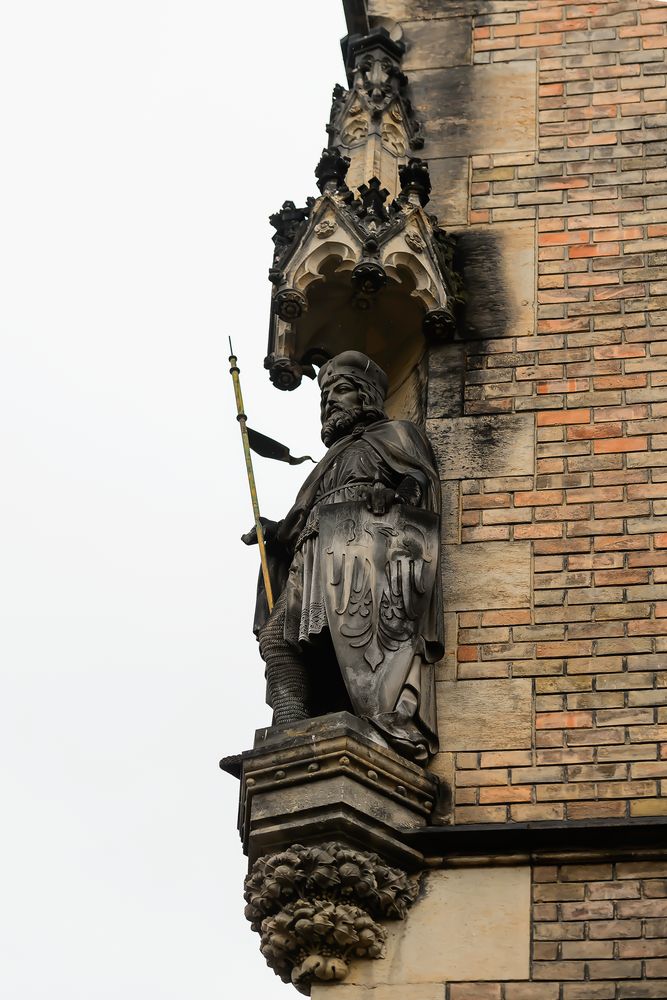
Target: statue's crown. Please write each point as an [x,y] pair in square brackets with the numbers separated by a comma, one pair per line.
[357,366]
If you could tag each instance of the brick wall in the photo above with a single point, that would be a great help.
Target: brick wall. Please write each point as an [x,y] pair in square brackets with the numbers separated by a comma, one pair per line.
[546,130]
[599,932]
[546,134]
[595,189]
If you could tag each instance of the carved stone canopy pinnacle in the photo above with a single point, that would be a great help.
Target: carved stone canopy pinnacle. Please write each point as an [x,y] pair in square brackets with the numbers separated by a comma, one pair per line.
[367,273]
[363,266]
[373,122]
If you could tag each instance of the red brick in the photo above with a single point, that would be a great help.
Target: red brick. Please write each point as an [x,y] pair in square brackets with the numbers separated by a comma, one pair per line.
[505,794]
[598,250]
[538,499]
[561,239]
[519,617]
[588,431]
[620,445]
[554,418]
[551,90]
[653,16]
[563,720]
[530,41]
[509,30]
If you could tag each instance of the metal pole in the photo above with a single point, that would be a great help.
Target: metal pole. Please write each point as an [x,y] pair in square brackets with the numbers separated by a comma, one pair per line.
[242,419]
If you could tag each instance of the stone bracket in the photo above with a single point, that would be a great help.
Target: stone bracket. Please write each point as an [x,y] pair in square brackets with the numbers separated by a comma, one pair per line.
[332,777]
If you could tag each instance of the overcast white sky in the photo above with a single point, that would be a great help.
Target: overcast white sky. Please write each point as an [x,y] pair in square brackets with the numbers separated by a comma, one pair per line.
[145,142]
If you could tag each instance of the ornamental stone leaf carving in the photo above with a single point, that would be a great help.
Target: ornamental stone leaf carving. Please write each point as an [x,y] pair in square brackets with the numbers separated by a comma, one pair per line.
[316,908]
[415,242]
[325,229]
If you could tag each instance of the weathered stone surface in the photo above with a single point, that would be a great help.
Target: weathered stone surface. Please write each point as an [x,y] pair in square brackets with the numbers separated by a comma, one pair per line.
[479,447]
[446,373]
[482,575]
[498,265]
[408,401]
[402,10]
[443,766]
[418,991]
[487,108]
[270,806]
[331,778]
[318,906]
[467,922]
[435,44]
[485,715]
[449,197]
[450,512]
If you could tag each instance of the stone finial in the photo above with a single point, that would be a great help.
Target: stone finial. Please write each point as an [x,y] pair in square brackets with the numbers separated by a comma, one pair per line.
[373,122]
[372,198]
[415,181]
[331,170]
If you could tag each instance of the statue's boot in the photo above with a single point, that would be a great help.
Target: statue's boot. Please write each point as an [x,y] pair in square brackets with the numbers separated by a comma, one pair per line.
[400,729]
[286,675]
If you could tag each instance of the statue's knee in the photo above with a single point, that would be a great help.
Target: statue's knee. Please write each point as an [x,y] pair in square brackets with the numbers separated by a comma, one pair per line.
[272,637]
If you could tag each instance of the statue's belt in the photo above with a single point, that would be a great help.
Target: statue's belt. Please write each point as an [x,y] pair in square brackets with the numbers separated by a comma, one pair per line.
[313,525]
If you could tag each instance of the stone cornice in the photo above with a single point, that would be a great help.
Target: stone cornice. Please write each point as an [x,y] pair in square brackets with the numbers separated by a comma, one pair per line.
[516,843]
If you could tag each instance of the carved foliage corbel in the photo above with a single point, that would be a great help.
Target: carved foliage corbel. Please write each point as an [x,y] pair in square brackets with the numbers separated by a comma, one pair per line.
[316,908]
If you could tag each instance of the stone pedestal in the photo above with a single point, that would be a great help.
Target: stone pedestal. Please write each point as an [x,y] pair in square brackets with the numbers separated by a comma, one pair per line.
[325,810]
[331,778]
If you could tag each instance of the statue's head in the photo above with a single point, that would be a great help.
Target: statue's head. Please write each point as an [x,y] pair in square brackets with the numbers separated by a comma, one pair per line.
[353,393]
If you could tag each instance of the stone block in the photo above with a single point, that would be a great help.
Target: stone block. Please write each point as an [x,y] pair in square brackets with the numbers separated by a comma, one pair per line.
[498,263]
[436,44]
[450,511]
[486,575]
[418,991]
[485,715]
[469,921]
[331,778]
[484,447]
[487,108]
[408,400]
[402,10]
[446,376]
[442,765]
[449,197]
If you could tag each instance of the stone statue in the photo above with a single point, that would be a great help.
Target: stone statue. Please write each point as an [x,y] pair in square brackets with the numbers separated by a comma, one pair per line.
[354,570]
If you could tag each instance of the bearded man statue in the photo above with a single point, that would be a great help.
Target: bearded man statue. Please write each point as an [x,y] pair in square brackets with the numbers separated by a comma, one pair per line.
[354,566]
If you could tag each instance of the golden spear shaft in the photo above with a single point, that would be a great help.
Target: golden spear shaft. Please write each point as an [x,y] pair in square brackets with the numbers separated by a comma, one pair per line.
[242,419]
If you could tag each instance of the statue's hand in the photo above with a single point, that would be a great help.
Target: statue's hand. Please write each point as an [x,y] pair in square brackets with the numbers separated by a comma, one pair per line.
[379,498]
[409,491]
[269,530]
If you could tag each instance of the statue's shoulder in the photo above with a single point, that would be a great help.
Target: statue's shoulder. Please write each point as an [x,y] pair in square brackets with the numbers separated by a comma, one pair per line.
[408,425]
[401,429]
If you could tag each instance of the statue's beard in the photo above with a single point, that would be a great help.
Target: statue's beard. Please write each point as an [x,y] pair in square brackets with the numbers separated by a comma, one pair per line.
[342,422]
